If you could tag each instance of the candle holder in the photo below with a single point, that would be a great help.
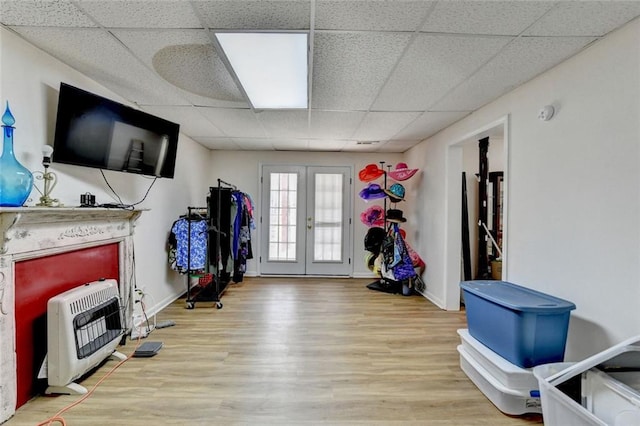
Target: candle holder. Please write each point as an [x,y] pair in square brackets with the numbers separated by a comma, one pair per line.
[49,180]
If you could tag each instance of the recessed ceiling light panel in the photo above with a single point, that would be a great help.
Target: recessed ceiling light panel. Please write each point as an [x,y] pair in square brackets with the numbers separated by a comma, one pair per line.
[272,67]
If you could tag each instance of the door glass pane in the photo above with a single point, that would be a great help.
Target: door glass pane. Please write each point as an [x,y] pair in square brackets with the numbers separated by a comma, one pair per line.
[327,237]
[282,216]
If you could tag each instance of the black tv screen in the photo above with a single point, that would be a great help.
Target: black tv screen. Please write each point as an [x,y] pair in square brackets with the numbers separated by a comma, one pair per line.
[93,131]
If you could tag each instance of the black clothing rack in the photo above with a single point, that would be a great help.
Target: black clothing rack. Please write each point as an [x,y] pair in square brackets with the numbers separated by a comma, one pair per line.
[220,252]
[206,292]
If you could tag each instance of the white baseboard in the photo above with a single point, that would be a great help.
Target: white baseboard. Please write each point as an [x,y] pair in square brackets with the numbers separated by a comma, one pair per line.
[365,275]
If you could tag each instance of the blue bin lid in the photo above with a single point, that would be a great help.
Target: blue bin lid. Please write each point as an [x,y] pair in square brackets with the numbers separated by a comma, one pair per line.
[517,297]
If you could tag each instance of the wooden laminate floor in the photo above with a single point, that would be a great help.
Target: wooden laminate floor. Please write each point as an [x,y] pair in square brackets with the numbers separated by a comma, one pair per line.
[290,351]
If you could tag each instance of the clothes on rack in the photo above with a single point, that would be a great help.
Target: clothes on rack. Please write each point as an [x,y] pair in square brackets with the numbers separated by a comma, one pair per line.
[236,222]
[221,234]
[188,233]
[403,269]
[241,244]
[397,264]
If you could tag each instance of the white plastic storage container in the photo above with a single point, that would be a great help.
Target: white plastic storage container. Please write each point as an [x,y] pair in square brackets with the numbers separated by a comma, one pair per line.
[512,389]
[602,390]
[507,373]
[610,399]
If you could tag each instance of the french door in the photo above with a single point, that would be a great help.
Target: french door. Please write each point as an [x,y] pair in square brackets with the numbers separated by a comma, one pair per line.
[305,220]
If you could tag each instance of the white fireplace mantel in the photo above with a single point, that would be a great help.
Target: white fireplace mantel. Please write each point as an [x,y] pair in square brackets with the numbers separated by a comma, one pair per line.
[32,232]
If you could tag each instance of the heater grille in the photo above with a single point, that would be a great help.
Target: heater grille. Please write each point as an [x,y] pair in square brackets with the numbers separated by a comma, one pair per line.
[96,327]
[90,300]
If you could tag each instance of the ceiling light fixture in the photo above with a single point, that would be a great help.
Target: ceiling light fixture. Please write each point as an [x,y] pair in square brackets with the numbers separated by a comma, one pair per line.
[271,67]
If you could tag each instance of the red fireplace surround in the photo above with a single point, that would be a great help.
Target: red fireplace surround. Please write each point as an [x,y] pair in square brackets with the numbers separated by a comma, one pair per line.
[37,280]
[44,252]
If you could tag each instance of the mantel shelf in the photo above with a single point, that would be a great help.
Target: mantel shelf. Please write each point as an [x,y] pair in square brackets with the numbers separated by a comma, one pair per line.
[67,214]
[14,221]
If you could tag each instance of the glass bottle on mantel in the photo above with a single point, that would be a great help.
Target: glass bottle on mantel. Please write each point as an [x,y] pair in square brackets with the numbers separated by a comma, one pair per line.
[16,181]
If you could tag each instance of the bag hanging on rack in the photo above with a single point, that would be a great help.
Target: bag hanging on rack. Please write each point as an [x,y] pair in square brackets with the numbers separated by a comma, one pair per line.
[403,269]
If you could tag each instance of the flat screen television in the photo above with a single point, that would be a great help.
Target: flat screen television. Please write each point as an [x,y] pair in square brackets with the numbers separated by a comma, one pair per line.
[93,131]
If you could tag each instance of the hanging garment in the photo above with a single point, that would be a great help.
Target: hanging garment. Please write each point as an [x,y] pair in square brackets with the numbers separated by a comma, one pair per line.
[183,259]
[390,255]
[248,202]
[244,247]
[221,256]
[403,269]
[387,272]
[416,260]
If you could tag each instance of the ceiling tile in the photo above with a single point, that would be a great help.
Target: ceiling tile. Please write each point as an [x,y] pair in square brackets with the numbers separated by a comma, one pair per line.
[258,14]
[485,17]
[290,144]
[585,18]
[222,144]
[234,122]
[190,119]
[383,125]
[97,54]
[257,144]
[141,14]
[519,62]
[429,124]
[334,124]
[187,60]
[432,66]
[326,145]
[350,68]
[50,13]
[285,124]
[354,146]
[397,146]
[366,15]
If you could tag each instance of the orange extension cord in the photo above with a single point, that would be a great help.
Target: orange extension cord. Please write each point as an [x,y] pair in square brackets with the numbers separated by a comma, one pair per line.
[58,416]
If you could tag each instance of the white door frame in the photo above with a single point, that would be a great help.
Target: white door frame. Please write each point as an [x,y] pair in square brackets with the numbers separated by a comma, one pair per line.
[350,209]
[453,209]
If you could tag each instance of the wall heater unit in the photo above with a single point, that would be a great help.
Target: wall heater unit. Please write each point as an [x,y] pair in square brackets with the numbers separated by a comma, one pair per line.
[84,327]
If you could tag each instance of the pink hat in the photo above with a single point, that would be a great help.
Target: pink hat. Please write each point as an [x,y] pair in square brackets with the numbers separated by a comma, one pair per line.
[402,172]
[373,216]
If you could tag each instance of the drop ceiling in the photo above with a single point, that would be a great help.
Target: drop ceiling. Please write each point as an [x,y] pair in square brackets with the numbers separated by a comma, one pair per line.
[384,74]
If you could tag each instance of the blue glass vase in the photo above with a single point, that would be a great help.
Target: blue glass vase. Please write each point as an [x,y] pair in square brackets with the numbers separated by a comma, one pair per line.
[16,181]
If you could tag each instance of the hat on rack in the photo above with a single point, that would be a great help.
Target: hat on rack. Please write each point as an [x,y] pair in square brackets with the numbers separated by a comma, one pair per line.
[370,172]
[372,192]
[402,172]
[394,215]
[373,216]
[395,192]
[373,239]
[370,259]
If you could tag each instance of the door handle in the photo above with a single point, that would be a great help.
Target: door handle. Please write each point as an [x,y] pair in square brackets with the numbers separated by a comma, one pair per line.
[309,222]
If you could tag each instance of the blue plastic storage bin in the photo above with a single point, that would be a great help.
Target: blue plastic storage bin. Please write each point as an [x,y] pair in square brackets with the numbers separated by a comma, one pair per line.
[524,326]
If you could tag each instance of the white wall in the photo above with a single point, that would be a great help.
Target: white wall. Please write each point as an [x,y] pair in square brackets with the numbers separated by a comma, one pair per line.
[30,82]
[574,200]
[243,170]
